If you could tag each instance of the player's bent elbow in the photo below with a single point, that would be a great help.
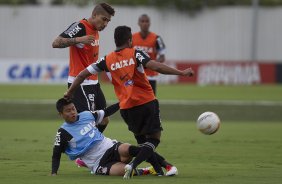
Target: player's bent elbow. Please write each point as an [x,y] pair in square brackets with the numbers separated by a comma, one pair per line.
[54,45]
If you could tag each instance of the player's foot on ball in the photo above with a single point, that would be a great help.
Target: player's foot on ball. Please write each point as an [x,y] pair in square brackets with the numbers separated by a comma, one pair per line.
[171,170]
[80,163]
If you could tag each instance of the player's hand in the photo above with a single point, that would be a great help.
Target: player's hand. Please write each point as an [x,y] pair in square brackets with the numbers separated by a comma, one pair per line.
[67,96]
[188,72]
[88,39]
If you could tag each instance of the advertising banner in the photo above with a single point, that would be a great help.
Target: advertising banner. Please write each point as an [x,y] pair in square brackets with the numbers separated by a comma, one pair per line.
[33,71]
[231,73]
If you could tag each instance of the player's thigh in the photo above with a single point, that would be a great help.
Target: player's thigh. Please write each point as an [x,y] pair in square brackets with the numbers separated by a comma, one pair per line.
[123,150]
[100,100]
[143,119]
[117,169]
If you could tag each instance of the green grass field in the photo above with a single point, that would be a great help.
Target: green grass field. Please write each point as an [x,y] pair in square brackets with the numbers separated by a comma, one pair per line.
[232,103]
[246,149]
[172,92]
[238,153]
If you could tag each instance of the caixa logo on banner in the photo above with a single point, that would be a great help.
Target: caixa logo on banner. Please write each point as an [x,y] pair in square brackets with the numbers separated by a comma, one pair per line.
[37,73]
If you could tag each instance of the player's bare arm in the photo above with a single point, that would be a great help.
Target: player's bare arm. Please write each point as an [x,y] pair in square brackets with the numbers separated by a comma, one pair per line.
[61,42]
[76,83]
[165,69]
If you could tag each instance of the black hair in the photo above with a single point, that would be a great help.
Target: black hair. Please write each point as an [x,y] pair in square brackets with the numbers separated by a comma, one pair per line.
[122,35]
[143,15]
[104,7]
[61,103]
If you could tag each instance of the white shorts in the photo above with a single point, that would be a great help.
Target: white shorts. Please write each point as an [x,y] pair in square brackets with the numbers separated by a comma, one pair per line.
[92,157]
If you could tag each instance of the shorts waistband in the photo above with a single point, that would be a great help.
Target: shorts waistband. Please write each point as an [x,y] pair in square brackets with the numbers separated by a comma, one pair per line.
[85,82]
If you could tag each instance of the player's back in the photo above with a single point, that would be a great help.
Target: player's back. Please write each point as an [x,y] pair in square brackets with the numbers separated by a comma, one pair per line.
[128,77]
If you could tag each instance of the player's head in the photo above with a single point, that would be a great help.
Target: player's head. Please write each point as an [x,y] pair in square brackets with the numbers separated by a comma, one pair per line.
[101,15]
[66,110]
[144,22]
[123,36]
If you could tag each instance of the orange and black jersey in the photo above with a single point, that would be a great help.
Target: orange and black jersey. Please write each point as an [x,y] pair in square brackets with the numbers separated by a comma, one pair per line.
[152,44]
[126,72]
[82,55]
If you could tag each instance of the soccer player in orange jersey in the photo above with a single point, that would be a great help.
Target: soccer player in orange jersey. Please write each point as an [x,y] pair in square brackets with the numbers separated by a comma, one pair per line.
[82,38]
[138,104]
[152,44]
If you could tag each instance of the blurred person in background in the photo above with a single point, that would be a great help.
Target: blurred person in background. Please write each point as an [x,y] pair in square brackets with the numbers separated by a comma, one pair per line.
[151,43]
[138,105]
[82,38]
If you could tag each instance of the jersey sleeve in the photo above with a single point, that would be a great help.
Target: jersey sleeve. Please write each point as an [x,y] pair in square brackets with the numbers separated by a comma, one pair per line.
[98,66]
[98,115]
[76,29]
[160,46]
[142,57]
[108,111]
[61,142]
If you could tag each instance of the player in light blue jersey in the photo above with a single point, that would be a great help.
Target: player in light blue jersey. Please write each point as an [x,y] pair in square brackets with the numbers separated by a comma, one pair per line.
[78,137]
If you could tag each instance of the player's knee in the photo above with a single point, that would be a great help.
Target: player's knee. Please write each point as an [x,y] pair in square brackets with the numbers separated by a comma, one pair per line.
[140,139]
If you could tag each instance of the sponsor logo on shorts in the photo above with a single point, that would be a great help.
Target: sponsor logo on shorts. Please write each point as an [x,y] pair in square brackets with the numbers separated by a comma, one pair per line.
[102,170]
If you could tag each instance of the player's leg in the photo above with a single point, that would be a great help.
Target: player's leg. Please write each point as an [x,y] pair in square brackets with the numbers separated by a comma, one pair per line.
[139,121]
[100,103]
[80,99]
[115,159]
[171,169]
[117,169]
[140,140]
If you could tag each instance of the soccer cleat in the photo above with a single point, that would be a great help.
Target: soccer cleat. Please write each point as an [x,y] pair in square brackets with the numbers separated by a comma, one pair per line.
[171,171]
[128,171]
[151,170]
[80,163]
[147,171]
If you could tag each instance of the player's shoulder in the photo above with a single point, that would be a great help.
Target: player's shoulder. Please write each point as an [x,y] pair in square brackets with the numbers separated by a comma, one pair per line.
[76,28]
[85,113]
[153,34]
[62,132]
[140,55]
[136,34]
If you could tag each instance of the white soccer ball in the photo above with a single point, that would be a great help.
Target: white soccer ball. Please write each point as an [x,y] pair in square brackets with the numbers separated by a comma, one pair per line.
[208,123]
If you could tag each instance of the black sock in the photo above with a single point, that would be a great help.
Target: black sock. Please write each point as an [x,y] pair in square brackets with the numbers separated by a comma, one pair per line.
[154,162]
[133,150]
[162,160]
[144,153]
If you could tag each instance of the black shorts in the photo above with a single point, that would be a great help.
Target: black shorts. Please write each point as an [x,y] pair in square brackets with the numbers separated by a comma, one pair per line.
[143,119]
[110,157]
[89,98]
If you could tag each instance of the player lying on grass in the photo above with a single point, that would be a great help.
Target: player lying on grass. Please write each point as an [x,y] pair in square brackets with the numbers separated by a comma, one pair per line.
[78,137]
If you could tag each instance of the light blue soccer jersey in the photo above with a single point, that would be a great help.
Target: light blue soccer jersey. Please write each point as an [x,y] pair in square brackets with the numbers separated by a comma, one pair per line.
[85,135]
